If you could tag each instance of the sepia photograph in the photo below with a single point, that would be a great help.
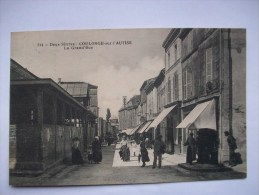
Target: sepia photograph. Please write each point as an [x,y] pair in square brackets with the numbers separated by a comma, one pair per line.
[127,106]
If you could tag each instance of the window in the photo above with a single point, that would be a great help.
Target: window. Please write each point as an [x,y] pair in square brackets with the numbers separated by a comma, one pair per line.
[176,87]
[168,58]
[208,67]
[175,53]
[187,84]
[189,41]
[169,90]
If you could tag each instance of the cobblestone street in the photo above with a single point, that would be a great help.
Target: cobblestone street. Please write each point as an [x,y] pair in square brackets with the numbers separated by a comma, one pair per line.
[110,172]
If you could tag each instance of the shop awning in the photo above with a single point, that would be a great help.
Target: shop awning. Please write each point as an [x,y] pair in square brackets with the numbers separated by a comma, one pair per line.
[126,131]
[135,129]
[145,127]
[202,116]
[161,117]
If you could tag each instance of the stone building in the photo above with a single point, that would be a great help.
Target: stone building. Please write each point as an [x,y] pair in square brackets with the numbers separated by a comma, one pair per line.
[86,94]
[173,91]
[128,114]
[213,85]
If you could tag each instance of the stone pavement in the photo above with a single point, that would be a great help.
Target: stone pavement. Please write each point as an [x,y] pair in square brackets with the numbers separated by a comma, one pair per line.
[167,159]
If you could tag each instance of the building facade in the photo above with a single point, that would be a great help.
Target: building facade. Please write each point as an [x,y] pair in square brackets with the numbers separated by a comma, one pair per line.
[86,94]
[128,114]
[213,68]
[173,91]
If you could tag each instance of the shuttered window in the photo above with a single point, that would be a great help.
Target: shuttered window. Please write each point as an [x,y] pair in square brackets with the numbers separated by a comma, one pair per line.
[169,90]
[187,84]
[208,64]
[175,53]
[168,59]
[176,87]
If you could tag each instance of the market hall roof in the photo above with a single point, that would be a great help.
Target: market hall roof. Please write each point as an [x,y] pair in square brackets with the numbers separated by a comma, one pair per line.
[20,73]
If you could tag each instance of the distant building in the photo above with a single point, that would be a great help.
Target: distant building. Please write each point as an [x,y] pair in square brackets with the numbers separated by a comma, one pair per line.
[86,94]
[128,117]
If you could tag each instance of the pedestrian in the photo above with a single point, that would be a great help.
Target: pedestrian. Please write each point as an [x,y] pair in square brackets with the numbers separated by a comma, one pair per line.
[159,150]
[134,147]
[97,150]
[124,149]
[191,149]
[76,154]
[143,152]
[232,146]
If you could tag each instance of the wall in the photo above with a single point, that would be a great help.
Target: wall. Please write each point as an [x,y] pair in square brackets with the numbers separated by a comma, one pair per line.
[25,148]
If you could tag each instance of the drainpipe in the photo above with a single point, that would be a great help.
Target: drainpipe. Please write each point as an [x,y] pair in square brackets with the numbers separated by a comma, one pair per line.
[220,99]
[230,82]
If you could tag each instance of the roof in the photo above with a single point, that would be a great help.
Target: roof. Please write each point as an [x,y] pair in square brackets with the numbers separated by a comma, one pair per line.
[173,34]
[145,83]
[20,73]
[47,81]
[150,86]
[160,77]
[133,103]
[77,89]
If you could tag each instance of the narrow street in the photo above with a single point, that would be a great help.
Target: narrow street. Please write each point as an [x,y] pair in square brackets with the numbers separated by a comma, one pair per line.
[113,171]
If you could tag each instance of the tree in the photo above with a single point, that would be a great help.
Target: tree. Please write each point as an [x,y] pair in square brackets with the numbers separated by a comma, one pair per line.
[108,115]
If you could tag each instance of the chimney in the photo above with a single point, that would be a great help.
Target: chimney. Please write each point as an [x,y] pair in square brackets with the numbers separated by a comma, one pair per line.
[124,101]
[59,80]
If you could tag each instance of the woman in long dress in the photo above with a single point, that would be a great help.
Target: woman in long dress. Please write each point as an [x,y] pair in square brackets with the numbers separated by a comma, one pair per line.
[144,152]
[97,150]
[76,154]
[124,149]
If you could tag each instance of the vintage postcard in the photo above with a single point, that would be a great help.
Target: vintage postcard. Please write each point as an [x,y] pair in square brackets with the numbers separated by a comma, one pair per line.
[127,106]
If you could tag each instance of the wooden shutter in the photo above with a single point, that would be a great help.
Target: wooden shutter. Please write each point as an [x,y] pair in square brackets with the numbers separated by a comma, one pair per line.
[208,64]
[189,84]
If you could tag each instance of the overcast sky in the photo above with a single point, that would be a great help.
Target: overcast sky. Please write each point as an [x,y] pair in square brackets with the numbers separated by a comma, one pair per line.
[117,69]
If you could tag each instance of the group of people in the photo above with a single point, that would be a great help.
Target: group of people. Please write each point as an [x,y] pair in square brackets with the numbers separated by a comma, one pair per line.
[159,149]
[96,153]
[204,156]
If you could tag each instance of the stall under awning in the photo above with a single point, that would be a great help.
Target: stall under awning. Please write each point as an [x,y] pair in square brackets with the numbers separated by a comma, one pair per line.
[161,117]
[202,116]
[135,129]
[145,127]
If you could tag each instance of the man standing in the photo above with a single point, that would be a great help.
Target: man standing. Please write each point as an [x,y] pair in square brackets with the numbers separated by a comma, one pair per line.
[159,149]
[232,146]
[191,149]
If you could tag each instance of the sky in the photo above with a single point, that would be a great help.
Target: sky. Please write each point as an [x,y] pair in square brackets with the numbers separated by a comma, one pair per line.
[126,58]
